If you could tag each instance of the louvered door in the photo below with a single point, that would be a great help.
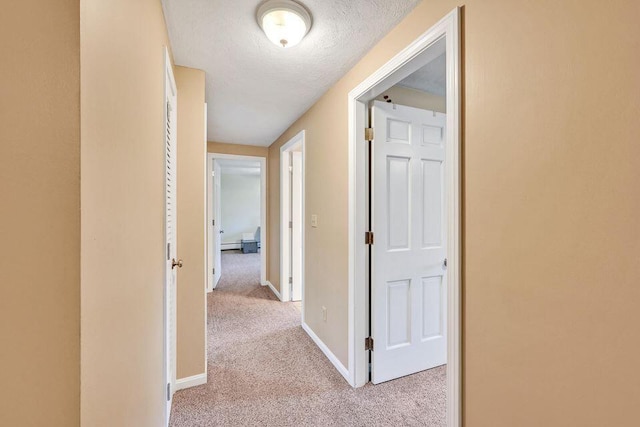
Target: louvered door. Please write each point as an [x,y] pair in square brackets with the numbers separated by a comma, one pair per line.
[171,233]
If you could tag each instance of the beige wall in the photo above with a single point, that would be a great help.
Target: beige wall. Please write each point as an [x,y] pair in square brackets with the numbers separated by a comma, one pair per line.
[240,204]
[191,222]
[122,212]
[40,214]
[326,196]
[415,98]
[550,208]
[242,150]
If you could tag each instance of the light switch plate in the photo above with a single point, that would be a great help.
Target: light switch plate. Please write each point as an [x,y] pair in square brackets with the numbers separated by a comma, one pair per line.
[314,220]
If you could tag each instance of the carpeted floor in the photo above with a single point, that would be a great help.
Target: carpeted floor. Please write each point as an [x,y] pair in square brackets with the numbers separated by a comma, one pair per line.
[265,371]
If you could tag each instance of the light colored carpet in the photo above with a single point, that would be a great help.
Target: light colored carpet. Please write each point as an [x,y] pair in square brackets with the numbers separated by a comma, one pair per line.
[265,371]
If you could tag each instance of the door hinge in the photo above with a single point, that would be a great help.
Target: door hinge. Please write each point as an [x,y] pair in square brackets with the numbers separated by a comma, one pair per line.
[290,280]
[368,343]
[291,169]
[368,134]
[214,271]
[213,222]
[168,251]
[168,391]
[368,238]
[290,224]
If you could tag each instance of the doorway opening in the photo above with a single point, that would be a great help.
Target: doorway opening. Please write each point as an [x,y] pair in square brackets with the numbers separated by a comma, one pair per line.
[404,215]
[292,162]
[236,209]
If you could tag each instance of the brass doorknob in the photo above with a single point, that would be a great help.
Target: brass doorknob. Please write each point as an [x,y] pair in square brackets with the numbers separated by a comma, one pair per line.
[175,263]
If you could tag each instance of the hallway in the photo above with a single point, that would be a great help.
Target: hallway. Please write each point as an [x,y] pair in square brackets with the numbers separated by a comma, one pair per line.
[263,369]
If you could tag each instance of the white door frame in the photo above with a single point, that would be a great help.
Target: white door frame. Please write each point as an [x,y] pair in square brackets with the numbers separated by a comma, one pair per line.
[169,347]
[263,213]
[213,213]
[402,65]
[285,188]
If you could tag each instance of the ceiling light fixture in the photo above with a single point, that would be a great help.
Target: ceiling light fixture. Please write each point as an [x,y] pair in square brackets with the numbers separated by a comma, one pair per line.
[285,22]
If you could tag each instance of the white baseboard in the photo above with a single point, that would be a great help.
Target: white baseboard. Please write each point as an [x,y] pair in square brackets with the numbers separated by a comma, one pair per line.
[191,381]
[229,246]
[332,357]
[273,289]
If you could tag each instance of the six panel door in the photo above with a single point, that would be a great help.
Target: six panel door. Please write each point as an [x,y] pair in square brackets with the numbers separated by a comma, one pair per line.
[408,268]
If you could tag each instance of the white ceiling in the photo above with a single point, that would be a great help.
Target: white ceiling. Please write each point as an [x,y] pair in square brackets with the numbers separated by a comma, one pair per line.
[431,78]
[256,90]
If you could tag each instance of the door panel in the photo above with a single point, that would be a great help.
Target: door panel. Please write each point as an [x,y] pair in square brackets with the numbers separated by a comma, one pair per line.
[170,233]
[398,313]
[296,230]
[217,225]
[432,208]
[432,296]
[408,281]
[398,206]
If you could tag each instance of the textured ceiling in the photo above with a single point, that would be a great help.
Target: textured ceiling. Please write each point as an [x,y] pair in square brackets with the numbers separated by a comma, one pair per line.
[431,78]
[256,90]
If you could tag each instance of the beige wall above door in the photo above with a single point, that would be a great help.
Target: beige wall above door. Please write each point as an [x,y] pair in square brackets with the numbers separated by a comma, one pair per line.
[414,98]
[241,150]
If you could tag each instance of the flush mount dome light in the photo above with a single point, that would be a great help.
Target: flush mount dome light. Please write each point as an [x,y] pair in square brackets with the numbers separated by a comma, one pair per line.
[285,22]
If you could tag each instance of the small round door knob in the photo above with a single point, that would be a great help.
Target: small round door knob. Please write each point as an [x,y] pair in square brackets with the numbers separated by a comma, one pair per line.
[175,263]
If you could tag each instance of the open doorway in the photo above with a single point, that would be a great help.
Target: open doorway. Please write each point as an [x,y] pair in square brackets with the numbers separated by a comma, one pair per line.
[236,205]
[405,202]
[407,192]
[292,156]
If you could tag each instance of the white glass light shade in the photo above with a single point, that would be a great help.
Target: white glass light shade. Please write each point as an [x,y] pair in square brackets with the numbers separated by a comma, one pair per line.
[284,22]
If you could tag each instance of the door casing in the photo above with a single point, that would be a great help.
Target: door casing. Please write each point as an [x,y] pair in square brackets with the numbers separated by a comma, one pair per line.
[263,213]
[215,244]
[410,59]
[285,234]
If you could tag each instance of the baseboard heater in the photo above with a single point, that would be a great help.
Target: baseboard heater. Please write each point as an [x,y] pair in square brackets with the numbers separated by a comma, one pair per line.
[232,246]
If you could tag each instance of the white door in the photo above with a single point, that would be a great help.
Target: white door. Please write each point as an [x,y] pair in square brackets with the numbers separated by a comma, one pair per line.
[408,280]
[296,229]
[216,241]
[170,233]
